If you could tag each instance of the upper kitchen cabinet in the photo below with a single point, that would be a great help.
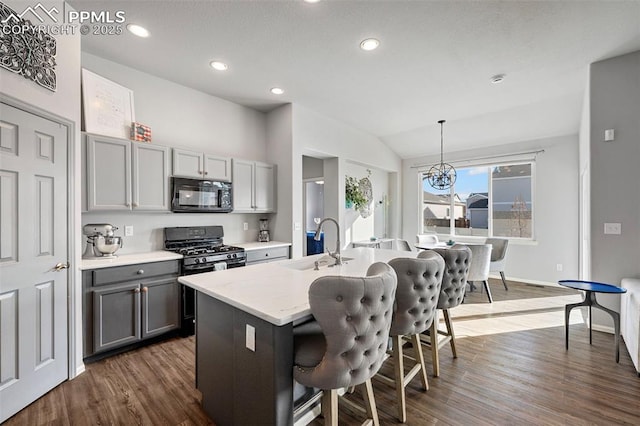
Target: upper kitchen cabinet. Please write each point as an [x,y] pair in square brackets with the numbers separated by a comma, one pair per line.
[200,165]
[254,187]
[125,175]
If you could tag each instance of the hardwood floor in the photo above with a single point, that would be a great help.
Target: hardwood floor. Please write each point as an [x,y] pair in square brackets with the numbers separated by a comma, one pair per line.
[512,368]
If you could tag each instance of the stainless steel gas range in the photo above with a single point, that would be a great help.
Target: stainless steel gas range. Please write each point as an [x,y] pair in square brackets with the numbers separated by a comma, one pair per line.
[204,251]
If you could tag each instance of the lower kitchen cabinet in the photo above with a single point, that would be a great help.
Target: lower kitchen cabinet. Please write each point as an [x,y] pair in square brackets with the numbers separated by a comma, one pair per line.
[267,254]
[125,305]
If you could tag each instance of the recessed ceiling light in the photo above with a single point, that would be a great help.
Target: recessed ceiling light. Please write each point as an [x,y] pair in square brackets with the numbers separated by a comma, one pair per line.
[277,91]
[369,44]
[498,78]
[311,1]
[138,30]
[220,66]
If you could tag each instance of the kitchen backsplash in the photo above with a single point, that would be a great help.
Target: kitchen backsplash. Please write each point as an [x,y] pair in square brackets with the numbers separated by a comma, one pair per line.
[148,228]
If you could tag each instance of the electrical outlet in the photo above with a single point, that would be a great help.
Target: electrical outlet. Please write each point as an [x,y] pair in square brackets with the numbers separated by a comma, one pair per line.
[251,338]
[128,231]
[245,226]
[559,267]
[613,228]
[297,226]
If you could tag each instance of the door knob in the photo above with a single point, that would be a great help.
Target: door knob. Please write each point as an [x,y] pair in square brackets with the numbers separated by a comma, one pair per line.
[60,266]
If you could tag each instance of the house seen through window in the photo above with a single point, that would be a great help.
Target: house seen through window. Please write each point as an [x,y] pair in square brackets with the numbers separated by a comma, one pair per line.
[485,200]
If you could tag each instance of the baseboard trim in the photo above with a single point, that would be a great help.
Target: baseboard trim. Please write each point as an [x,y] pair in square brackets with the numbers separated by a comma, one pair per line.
[604,329]
[526,281]
[79,370]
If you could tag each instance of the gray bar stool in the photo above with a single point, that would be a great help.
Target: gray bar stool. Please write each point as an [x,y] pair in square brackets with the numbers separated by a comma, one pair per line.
[347,349]
[419,282]
[454,280]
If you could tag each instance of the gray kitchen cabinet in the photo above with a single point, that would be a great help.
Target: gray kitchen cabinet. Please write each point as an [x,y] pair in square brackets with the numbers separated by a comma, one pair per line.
[126,175]
[267,254]
[116,316]
[200,165]
[254,187]
[150,177]
[124,305]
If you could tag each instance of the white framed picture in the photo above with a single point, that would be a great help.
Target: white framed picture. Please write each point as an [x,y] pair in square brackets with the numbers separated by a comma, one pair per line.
[107,106]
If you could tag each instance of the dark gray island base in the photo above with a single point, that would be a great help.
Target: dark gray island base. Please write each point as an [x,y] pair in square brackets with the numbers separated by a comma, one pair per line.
[244,387]
[240,386]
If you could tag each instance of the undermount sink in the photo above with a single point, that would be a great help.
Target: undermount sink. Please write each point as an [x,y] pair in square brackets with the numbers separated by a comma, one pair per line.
[309,263]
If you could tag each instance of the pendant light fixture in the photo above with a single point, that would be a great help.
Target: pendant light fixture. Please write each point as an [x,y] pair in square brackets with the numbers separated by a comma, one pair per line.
[441,176]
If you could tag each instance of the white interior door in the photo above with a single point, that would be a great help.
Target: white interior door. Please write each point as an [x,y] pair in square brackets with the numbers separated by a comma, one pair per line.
[33,227]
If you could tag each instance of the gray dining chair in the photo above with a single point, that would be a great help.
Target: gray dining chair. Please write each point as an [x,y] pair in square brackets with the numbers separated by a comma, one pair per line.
[454,282]
[479,267]
[498,257]
[419,282]
[401,245]
[346,344]
[427,239]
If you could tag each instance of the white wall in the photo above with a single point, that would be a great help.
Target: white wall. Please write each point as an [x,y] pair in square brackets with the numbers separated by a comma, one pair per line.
[312,167]
[615,193]
[65,103]
[320,136]
[555,210]
[358,228]
[185,118]
[280,142]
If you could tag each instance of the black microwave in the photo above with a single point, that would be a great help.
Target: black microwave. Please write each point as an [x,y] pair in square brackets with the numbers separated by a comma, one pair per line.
[201,196]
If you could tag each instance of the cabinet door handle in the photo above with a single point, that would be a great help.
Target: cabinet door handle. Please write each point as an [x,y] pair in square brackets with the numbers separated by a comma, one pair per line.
[206,173]
[145,289]
[136,290]
[140,271]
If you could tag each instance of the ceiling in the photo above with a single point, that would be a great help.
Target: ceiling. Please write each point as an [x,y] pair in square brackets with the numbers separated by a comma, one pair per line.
[435,60]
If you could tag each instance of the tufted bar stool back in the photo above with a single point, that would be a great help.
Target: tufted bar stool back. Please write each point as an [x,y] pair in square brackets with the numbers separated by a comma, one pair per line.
[457,260]
[419,281]
[354,317]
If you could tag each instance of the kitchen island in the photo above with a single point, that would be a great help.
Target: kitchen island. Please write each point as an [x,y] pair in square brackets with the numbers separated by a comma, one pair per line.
[244,333]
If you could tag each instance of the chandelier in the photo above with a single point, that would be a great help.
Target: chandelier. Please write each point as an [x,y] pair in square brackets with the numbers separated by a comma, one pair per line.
[441,176]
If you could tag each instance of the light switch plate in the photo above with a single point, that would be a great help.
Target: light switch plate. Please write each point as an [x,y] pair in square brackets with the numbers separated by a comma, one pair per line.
[297,226]
[251,338]
[245,226]
[128,231]
[609,135]
[613,228]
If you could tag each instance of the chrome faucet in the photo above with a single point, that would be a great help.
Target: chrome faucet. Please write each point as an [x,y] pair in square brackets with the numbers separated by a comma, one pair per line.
[335,254]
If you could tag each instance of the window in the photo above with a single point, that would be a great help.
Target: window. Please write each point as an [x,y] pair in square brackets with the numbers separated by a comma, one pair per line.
[495,200]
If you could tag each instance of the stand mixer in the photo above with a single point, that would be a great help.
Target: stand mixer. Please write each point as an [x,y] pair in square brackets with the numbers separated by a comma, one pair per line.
[101,243]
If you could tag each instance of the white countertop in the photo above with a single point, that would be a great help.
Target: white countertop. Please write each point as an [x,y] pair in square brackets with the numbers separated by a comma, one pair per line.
[129,259]
[277,292]
[257,246]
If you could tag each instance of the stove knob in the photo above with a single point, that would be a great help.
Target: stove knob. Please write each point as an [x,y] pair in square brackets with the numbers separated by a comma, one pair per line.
[197,260]
[228,256]
[204,260]
[235,255]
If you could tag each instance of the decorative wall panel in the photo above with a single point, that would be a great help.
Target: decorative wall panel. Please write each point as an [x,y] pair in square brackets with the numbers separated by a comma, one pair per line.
[27,51]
